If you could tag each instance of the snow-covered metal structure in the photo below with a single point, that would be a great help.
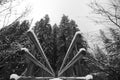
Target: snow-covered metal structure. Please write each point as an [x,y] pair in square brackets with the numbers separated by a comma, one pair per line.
[63,68]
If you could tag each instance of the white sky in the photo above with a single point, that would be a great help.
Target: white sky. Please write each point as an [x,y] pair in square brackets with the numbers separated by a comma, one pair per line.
[75,9]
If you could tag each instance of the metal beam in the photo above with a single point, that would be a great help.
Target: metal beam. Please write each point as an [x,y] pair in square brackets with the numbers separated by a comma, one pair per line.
[74,40]
[34,39]
[35,61]
[79,55]
[16,77]
[50,78]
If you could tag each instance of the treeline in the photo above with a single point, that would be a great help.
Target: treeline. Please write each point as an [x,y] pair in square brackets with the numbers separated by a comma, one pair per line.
[55,41]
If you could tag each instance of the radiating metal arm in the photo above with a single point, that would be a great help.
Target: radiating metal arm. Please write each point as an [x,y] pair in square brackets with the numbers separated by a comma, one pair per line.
[74,40]
[79,55]
[34,39]
[35,61]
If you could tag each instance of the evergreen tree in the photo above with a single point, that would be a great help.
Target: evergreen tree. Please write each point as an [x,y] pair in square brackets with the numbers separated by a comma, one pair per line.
[10,60]
[109,60]
[68,28]
[57,41]
[43,30]
[55,35]
[54,41]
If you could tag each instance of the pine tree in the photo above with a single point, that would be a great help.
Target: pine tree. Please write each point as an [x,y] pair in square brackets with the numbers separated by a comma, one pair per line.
[68,28]
[10,60]
[109,61]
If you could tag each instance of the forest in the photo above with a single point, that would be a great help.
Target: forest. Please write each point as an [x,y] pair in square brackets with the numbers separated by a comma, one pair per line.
[102,63]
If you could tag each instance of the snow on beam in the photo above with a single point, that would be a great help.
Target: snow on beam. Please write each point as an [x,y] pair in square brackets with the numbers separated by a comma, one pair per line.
[34,39]
[16,77]
[80,54]
[35,61]
[75,38]
[87,77]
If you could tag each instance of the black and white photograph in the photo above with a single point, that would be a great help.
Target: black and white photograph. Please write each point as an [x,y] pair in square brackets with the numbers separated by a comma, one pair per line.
[59,40]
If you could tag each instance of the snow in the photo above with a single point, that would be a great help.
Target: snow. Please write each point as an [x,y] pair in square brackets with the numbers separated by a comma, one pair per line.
[55,79]
[82,49]
[14,76]
[25,49]
[88,77]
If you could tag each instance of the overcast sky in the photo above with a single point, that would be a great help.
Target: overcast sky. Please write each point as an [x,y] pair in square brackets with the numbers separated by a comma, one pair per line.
[77,10]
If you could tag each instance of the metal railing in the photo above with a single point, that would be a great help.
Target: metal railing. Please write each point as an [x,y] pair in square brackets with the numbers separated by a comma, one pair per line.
[16,77]
[49,69]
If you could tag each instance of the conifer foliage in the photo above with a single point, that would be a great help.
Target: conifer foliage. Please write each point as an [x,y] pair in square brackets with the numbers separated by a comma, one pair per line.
[54,40]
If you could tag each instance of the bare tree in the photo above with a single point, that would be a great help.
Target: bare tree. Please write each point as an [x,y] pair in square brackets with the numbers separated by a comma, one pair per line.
[110,12]
[8,11]
[4,1]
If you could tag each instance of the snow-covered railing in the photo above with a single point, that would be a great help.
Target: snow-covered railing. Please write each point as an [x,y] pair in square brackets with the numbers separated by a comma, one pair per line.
[74,40]
[16,77]
[35,61]
[79,55]
[35,40]
[63,68]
